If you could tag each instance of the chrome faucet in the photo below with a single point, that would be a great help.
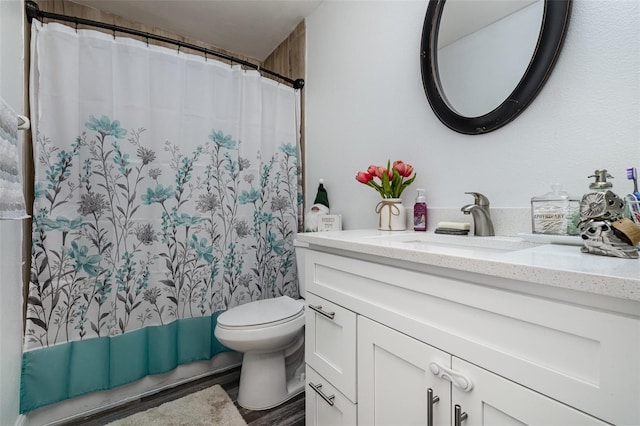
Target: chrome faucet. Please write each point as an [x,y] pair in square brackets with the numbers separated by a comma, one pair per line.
[482,225]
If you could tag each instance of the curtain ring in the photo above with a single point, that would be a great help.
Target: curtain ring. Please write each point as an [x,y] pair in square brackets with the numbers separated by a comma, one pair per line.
[178,49]
[205,56]
[147,39]
[114,33]
[76,21]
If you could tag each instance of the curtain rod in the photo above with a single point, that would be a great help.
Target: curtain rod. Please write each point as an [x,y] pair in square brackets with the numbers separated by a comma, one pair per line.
[33,11]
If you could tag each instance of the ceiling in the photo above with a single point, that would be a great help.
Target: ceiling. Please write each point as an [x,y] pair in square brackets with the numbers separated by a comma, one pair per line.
[252,28]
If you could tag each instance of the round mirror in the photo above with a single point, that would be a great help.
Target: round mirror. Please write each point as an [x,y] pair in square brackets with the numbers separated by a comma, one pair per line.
[484,61]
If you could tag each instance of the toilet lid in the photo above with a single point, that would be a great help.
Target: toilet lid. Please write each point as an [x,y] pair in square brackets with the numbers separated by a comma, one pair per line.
[261,312]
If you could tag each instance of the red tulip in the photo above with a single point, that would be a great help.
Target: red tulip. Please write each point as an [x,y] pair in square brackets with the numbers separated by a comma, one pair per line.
[363,177]
[394,185]
[390,173]
[404,169]
[380,171]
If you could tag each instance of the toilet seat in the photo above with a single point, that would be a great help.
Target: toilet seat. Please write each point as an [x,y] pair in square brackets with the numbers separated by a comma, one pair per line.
[261,313]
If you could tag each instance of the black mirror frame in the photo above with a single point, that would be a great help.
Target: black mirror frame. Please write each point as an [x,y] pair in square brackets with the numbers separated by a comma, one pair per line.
[555,21]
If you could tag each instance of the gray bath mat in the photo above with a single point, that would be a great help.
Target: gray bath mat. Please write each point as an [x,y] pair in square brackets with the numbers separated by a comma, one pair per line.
[208,407]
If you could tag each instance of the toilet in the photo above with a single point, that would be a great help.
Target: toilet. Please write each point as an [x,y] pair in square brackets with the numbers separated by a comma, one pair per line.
[270,332]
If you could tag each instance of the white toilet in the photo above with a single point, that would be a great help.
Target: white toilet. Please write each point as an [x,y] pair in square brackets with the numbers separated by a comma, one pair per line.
[270,332]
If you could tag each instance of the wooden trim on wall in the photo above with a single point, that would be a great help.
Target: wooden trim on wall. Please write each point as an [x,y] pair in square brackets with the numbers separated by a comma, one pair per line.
[28,177]
[288,59]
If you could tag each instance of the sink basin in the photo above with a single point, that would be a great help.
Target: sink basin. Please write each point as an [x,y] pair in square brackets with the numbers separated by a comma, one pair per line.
[418,240]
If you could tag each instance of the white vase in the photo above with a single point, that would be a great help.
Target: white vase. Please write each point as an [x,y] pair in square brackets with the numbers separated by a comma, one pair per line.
[392,215]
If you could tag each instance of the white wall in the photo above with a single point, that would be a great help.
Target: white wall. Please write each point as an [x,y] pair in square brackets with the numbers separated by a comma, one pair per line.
[366,104]
[11,80]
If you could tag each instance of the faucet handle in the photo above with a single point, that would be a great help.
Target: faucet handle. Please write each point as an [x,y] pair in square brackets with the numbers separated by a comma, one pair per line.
[480,199]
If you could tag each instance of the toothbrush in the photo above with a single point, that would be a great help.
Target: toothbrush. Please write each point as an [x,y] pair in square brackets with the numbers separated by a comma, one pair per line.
[633,200]
[632,174]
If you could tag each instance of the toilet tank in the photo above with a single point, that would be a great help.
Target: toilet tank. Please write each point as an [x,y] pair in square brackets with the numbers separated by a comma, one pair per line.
[301,251]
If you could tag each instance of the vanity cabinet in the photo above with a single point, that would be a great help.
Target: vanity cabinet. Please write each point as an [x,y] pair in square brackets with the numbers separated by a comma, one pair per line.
[399,385]
[502,356]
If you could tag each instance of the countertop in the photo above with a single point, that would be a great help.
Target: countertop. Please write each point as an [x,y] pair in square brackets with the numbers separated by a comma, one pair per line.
[561,266]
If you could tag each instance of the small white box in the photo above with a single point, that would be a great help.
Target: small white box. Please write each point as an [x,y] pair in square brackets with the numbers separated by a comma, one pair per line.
[330,222]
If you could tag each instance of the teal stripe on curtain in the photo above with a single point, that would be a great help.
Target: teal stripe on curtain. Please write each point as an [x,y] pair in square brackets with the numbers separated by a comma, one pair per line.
[64,371]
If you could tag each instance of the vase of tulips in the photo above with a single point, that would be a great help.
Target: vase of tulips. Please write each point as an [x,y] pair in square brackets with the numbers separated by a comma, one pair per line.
[389,181]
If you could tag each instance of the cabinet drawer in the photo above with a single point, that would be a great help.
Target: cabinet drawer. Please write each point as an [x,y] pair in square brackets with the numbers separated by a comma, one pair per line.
[325,405]
[330,343]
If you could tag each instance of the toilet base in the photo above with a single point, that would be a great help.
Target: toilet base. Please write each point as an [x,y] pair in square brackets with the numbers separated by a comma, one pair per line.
[263,381]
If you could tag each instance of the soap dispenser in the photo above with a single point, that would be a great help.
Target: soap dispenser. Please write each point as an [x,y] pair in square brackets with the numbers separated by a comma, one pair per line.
[420,212]
[601,202]
[600,184]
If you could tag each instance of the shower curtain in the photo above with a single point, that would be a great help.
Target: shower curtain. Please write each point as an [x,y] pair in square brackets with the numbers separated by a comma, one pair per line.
[166,191]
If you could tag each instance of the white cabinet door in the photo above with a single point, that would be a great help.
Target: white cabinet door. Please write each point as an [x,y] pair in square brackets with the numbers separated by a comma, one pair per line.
[325,405]
[495,401]
[394,379]
[330,343]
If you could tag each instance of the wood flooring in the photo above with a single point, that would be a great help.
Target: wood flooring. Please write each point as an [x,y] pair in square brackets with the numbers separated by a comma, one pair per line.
[291,413]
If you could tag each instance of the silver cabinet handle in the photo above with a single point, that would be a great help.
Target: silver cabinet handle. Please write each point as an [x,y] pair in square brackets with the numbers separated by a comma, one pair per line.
[458,416]
[431,399]
[329,399]
[318,309]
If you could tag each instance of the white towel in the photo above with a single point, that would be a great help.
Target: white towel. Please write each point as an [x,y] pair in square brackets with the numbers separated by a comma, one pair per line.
[12,205]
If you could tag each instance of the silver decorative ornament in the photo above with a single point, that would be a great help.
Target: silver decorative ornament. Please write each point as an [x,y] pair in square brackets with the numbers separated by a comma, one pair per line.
[599,210]
[599,237]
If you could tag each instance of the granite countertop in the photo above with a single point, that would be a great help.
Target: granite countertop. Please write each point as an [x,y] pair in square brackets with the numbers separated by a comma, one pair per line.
[562,266]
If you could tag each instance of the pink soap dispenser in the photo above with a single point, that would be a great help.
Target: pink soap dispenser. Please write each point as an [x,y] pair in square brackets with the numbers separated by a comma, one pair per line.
[420,212]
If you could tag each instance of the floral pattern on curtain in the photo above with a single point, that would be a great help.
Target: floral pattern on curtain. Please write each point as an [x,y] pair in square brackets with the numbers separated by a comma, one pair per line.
[149,213]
